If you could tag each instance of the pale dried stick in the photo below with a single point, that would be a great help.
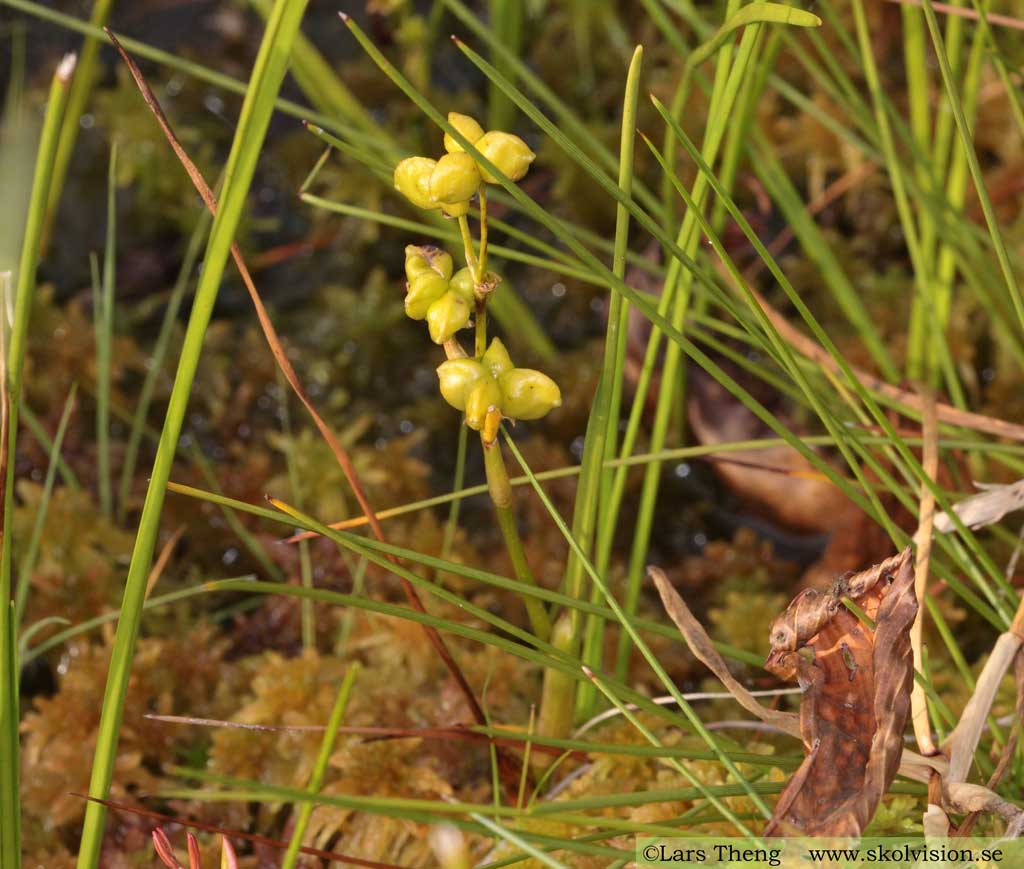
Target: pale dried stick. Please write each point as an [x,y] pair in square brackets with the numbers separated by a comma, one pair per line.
[923,551]
[1007,21]
[961,744]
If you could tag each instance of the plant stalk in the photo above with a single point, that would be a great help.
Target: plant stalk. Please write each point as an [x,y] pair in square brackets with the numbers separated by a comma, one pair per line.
[500,490]
[11,370]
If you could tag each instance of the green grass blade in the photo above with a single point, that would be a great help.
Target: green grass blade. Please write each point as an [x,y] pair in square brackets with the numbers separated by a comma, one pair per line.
[98,621]
[19,141]
[967,142]
[452,525]
[752,13]
[594,484]
[567,119]
[267,75]
[362,549]
[924,287]
[37,430]
[915,63]
[821,253]
[507,835]
[187,67]
[627,624]
[244,535]
[12,369]
[78,99]
[316,778]
[649,735]
[324,88]
[305,562]
[507,26]
[376,552]
[497,250]
[28,557]
[912,468]
[730,74]
[156,361]
[103,317]
[589,260]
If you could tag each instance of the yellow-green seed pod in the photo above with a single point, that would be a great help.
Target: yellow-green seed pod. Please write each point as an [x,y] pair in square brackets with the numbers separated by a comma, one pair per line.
[455,179]
[462,284]
[480,398]
[509,153]
[420,258]
[423,290]
[446,316]
[412,180]
[496,359]
[528,394]
[456,377]
[465,125]
[459,209]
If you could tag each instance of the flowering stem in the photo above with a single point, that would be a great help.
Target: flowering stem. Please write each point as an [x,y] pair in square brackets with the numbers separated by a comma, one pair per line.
[483,232]
[481,326]
[478,269]
[501,494]
[467,243]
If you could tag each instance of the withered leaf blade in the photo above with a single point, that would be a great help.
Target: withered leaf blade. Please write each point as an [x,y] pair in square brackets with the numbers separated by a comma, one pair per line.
[986,508]
[856,697]
[705,652]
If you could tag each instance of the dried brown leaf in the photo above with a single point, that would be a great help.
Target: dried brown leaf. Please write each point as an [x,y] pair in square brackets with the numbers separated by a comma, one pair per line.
[912,765]
[856,697]
[705,652]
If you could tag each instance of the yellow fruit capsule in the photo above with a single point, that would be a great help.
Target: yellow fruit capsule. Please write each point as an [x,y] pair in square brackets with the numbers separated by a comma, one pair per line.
[423,290]
[456,377]
[496,359]
[420,258]
[446,316]
[528,394]
[412,180]
[462,284]
[455,179]
[465,125]
[480,398]
[509,153]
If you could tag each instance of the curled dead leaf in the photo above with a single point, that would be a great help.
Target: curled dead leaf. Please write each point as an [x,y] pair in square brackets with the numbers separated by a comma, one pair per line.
[912,765]
[856,697]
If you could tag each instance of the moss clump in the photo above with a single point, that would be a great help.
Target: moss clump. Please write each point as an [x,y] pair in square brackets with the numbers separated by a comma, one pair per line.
[59,732]
[78,571]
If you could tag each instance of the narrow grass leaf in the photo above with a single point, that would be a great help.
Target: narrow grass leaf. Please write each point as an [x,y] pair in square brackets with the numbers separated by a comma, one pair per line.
[316,778]
[103,317]
[31,553]
[266,79]
[11,370]
[156,361]
[594,488]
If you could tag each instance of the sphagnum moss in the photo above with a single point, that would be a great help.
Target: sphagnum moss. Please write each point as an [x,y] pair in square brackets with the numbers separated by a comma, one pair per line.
[485,386]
